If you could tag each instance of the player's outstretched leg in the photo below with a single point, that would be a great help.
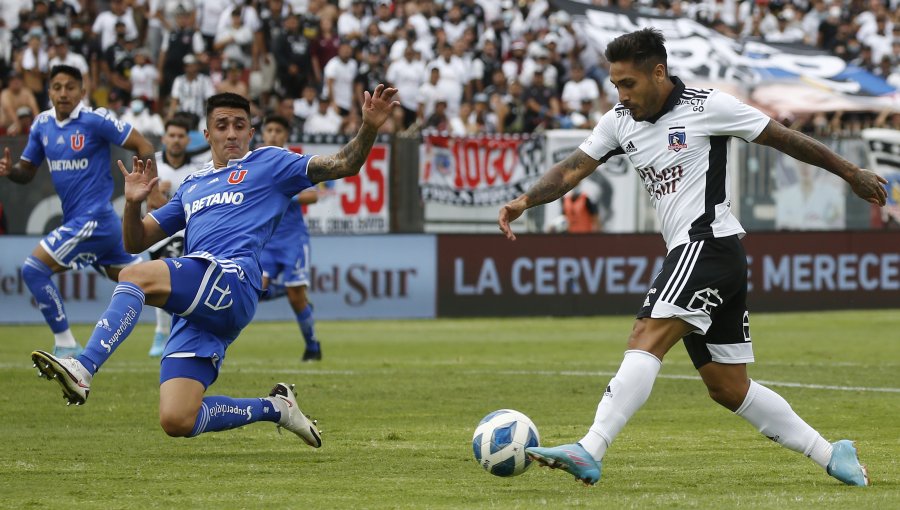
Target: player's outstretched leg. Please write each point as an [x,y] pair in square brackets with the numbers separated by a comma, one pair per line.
[75,374]
[572,458]
[774,418]
[161,335]
[218,413]
[38,278]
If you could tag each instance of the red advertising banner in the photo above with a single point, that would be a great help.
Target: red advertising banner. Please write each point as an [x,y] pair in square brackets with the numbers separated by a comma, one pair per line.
[480,275]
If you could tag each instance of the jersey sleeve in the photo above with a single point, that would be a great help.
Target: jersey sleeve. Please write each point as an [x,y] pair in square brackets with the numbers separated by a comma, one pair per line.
[171,217]
[289,171]
[602,143]
[34,150]
[111,129]
[726,115]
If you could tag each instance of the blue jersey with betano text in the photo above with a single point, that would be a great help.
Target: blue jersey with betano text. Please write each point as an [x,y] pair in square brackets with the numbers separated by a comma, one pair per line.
[77,152]
[231,212]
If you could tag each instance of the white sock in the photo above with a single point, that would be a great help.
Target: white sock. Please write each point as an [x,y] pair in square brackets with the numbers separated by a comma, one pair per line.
[774,417]
[64,339]
[163,321]
[624,395]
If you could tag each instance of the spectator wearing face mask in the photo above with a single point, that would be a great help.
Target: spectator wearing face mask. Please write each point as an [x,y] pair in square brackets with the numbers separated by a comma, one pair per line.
[138,115]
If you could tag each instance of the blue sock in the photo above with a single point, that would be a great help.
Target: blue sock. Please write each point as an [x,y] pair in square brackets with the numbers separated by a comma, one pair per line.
[37,277]
[225,413]
[273,291]
[307,327]
[114,325]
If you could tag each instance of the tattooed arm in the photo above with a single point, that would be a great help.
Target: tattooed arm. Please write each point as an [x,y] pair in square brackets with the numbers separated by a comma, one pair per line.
[375,111]
[866,184]
[561,178]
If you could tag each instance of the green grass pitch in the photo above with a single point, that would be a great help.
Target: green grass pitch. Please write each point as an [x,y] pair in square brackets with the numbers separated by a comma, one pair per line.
[398,402]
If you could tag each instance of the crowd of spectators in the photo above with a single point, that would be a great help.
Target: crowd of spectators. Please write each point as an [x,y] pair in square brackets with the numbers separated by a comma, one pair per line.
[463,66]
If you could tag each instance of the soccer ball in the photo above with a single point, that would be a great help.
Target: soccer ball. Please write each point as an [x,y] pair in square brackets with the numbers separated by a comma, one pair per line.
[500,440]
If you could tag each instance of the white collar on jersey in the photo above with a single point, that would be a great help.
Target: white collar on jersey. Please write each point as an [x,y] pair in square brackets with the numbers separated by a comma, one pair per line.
[242,158]
[72,116]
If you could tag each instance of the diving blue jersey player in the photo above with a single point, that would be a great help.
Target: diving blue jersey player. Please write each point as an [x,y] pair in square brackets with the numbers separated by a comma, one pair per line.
[228,210]
[286,257]
[75,142]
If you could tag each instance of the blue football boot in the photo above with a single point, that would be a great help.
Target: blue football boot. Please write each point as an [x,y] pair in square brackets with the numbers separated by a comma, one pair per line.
[845,466]
[572,458]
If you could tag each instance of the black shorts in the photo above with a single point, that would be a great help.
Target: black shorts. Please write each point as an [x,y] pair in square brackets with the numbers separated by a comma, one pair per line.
[704,283]
[173,248]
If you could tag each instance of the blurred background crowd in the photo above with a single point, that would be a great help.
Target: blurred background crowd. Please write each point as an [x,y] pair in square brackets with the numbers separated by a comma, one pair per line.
[461,66]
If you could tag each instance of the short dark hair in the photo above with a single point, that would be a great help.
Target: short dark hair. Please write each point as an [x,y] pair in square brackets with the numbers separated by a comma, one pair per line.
[277,119]
[643,47]
[64,69]
[178,122]
[227,100]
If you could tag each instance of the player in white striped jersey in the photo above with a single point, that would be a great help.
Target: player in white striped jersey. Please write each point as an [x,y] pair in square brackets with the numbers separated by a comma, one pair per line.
[677,139]
[173,167]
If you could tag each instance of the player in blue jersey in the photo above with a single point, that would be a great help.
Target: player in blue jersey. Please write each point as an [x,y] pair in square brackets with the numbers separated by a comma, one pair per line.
[286,257]
[229,210]
[75,142]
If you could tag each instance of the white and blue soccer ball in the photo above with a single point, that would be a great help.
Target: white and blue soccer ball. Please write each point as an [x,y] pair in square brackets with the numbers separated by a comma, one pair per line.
[500,440]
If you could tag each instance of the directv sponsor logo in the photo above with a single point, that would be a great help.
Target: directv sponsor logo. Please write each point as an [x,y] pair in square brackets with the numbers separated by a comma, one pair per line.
[64,165]
[127,321]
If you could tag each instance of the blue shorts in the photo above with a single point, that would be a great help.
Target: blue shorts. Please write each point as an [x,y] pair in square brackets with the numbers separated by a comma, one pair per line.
[89,240]
[203,370]
[212,301]
[287,265]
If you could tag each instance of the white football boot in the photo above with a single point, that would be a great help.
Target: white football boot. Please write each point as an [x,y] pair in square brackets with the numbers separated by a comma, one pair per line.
[68,372]
[292,418]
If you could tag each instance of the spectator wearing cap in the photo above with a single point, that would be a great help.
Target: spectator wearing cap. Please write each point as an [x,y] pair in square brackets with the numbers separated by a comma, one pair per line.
[234,41]
[12,99]
[407,75]
[104,26]
[24,119]
[454,24]
[144,77]
[339,74]
[579,88]
[234,79]
[181,41]
[118,61]
[512,66]
[388,24]
[351,24]
[191,90]
[541,104]
[293,58]
[454,77]
[325,120]
[482,119]
[35,65]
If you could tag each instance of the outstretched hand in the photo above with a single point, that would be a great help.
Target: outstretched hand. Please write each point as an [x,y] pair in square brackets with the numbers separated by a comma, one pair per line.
[378,105]
[5,163]
[869,186]
[139,182]
[508,213]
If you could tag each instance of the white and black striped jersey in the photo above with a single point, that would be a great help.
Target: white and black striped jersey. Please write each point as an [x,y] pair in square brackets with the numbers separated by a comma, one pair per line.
[681,155]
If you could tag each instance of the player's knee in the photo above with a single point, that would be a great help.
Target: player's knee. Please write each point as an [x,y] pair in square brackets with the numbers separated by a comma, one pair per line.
[729,396]
[176,424]
[138,275]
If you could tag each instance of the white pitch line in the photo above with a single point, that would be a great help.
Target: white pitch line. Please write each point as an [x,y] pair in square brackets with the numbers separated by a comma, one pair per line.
[697,378]
[259,369]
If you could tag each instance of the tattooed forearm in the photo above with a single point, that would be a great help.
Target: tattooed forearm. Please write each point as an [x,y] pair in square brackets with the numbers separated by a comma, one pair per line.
[805,148]
[561,178]
[346,161]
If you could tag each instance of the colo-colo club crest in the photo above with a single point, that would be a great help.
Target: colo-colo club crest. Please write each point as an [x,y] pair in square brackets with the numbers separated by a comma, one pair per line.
[677,138]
